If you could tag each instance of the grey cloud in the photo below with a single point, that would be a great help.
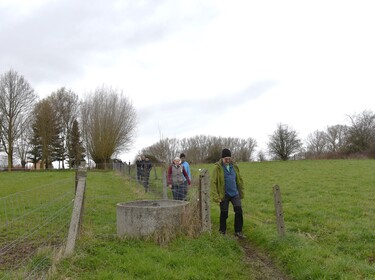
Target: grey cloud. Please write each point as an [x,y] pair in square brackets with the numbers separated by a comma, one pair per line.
[57,40]
[178,116]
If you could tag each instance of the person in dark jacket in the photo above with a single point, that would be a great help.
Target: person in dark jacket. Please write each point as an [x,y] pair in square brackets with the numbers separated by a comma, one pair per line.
[175,179]
[139,164]
[147,166]
[227,186]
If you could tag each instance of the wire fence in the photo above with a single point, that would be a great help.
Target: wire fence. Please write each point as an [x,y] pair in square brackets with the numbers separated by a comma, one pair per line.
[33,228]
[34,223]
[156,181]
[195,194]
[101,203]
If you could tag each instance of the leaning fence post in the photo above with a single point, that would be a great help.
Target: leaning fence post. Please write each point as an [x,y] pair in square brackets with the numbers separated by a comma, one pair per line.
[76,220]
[204,200]
[279,210]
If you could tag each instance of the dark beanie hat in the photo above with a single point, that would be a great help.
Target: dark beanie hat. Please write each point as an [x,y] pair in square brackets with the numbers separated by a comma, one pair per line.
[182,155]
[225,153]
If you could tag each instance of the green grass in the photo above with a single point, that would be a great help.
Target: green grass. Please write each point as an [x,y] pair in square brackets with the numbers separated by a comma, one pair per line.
[133,259]
[30,195]
[101,255]
[13,182]
[329,210]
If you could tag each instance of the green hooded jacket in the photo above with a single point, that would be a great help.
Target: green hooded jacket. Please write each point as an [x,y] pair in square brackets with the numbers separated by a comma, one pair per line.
[218,185]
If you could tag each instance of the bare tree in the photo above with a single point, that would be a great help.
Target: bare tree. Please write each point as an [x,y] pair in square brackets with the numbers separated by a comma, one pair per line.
[361,134]
[317,143]
[215,146]
[17,99]
[243,149]
[202,148]
[197,148]
[284,142]
[251,144]
[261,156]
[159,150]
[109,121]
[65,103]
[336,137]
[165,150]
[23,143]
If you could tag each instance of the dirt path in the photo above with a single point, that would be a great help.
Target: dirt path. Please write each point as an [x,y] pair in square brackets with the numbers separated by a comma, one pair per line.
[262,266]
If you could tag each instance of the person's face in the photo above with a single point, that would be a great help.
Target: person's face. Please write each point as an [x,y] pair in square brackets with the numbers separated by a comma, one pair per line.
[176,162]
[226,160]
[182,159]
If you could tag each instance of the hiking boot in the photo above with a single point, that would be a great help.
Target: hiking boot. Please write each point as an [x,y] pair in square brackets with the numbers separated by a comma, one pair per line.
[239,235]
[222,232]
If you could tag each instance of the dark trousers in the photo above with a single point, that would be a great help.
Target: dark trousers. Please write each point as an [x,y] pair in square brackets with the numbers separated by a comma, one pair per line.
[238,216]
[179,192]
[139,175]
[146,178]
[185,190]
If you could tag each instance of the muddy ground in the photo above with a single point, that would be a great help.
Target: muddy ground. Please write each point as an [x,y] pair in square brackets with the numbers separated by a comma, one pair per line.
[262,265]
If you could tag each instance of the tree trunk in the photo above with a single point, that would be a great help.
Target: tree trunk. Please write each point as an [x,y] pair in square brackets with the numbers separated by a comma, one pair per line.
[10,159]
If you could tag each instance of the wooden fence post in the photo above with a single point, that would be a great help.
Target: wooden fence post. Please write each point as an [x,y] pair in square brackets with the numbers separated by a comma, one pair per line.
[279,210]
[204,200]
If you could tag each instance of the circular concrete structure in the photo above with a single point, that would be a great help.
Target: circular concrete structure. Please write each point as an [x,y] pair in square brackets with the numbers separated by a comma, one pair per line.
[146,217]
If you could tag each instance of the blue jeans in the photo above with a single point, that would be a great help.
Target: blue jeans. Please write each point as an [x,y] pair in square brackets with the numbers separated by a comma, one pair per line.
[238,216]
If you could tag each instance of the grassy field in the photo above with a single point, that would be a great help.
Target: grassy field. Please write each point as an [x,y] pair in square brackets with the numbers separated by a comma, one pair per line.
[101,255]
[34,214]
[13,182]
[329,211]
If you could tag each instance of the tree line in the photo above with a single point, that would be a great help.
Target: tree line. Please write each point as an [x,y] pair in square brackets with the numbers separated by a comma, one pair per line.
[337,141]
[355,139]
[201,148]
[61,127]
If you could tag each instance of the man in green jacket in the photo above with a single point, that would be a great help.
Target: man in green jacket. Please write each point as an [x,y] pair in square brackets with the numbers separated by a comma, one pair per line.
[227,186]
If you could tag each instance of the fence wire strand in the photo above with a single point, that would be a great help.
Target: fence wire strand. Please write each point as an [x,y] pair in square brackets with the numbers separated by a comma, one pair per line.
[31,220]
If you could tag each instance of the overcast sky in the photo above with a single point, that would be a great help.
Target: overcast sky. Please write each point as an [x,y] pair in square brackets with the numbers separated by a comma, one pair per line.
[191,67]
